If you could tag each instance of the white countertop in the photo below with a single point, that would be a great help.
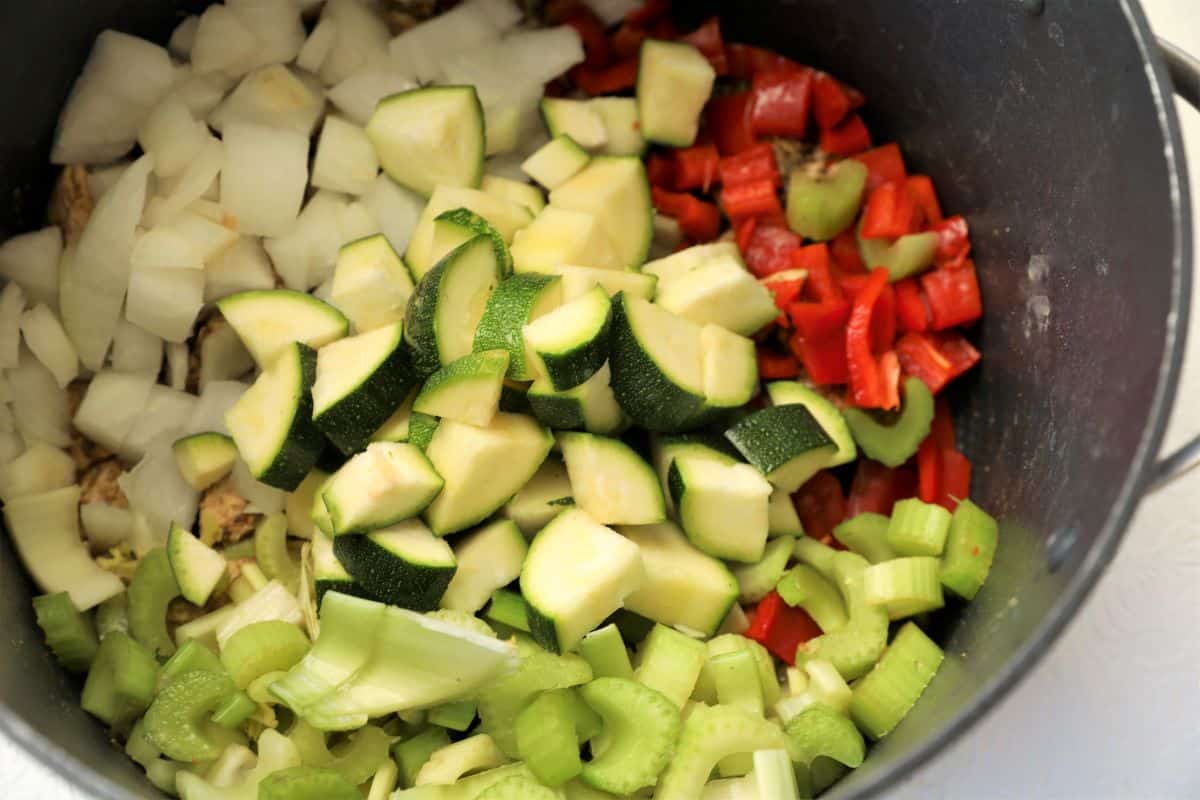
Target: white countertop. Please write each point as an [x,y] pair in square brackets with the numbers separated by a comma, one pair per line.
[1114,710]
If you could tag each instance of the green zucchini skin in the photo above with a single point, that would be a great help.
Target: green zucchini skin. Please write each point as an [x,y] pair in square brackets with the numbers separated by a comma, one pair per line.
[350,422]
[387,578]
[304,442]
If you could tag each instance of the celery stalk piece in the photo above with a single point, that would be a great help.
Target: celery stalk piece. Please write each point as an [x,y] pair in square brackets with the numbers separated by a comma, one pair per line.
[177,721]
[896,443]
[805,587]
[271,552]
[547,739]
[518,788]
[307,783]
[383,782]
[69,634]
[605,650]
[455,716]
[641,727]
[151,591]
[706,686]
[904,586]
[908,255]
[412,754]
[263,647]
[234,711]
[736,677]
[756,580]
[508,608]
[866,534]
[358,757]
[821,731]
[447,764]
[918,529]
[709,734]
[121,682]
[275,754]
[970,548]
[821,207]
[888,692]
[818,556]
[774,776]
[669,662]
[853,649]
[191,657]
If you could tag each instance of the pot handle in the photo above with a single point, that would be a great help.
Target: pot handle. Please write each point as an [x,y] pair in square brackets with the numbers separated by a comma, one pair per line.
[1185,75]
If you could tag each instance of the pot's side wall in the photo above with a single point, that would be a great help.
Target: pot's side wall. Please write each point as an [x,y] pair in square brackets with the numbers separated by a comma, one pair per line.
[1042,130]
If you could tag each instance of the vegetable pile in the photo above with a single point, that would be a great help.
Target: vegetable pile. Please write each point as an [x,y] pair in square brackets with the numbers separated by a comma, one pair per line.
[351,461]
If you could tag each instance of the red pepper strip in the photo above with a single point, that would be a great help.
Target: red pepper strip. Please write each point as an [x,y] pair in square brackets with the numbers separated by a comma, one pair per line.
[746,61]
[744,235]
[596,46]
[770,249]
[935,358]
[824,360]
[819,321]
[889,213]
[660,171]
[846,139]
[866,382]
[617,78]
[780,628]
[831,102]
[929,471]
[648,13]
[954,243]
[910,306]
[953,296]
[785,291]
[774,366]
[844,249]
[885,164]
[696,167]
[627,41]
[883,322]
[956,479]
[821,505]
[665,30]
[700,221]
[889,371]
[876,488]
[754,164]
[708,40]
[729,123]
[758,199]
[781,102]
[815,259]
[920,189]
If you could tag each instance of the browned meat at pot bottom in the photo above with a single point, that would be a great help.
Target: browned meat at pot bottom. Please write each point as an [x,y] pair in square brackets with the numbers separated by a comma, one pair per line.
[71,202]
[222,515]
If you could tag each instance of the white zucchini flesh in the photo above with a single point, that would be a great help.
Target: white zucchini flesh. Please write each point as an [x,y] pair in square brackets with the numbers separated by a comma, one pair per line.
[684,261]
[197,567]
[12,304]
[157,491]
[40,405]
[371,285]
[488,559]
[616,191]
[578,281]
[611,482]
[505,216]
[31,261]
[559,236]
[39,469]
[430,137]
[45,529]
[105,526]
[264,177]
[171,136]
[345,161]
[245,266]
[112,404]
[576,119]
[305,255]
[556,162]
[269,322]
[722,293]
[730,367]
[275,97]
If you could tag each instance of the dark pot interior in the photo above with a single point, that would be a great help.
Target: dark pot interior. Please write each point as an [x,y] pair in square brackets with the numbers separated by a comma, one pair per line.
[1054,137]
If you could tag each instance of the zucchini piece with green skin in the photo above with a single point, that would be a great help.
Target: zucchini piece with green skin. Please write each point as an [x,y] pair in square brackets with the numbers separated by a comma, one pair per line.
[572,342]
[456,227]
[611,482]
[576,574]
[561,236]
[577,281]
[784,393]
[757,580]
[710,734]
[657,365]
[730,369]
[674,82]
[642,727]
[150,592]
[523,194]
[620,116]
[272,422]
[578,119]
[488,559]
[70,635]
[204,458]
[466,390]
[299,504]
[786,443]
[198,568]
[819,207]
[892,445]
[122,681]
[448,304]
[590,406]
[505,217]
[328,573]
[888,692]
[722,507]
[448,148]
[669,662]
[664,450]
[268,321]
[385,484]
[616,191]
[684,587]
[556,162]
[421,428]
[360,382]
[540,500]
[307,783]
[782,519]
[681,262]
[404,565]
[970,548]
[722,292]
[371,285]
[396,427]
[518,301]
[482,468]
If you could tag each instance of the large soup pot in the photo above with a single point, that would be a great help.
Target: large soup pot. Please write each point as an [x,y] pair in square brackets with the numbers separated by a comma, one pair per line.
[1050,125]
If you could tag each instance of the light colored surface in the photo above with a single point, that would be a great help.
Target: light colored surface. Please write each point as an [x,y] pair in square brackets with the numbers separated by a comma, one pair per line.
[1114,710]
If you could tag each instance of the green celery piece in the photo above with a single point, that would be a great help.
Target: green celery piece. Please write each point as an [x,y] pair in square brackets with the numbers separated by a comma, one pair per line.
[177,721]
[866,534]
[357,758]
[905,586]
[275,753]
[908,255]
[710,734]
[605,650]
[736,677]
[456,716]
[69,634]
[669,662]
[892,445]
[411,754]
[821,731]
[234,711]
[547,739]
[518,788]
[821,207]
[970,548]
[854,649]
[918,528]
[112,615]
[820,557]
[889,691]
[263,647]
[121,682]
[307,783]
[706,687]
[150,592]
[755,581]
[641,727]
[805,587]
[191,657]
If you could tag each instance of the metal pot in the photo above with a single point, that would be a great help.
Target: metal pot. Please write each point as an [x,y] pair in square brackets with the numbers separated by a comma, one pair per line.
[1049,125]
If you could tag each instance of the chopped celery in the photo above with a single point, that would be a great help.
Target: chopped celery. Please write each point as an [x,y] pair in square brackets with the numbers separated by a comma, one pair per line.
[383,782]
[896,443]
[706,687]
[234,711]
[275,753]
[821,207]
[271,551]
[669,662]
[469,788]
[113,615]
[578,790]
[121,682]
[455,716]
[736,677]
[805,587]
[866,534]
[447,764]
[820,731]
[821,684]
[191,657]
[889,691]
[518,788]
[271,602]
[177,721]
[605,650]
[508,608]
[908,255]
[69,634]
[774,776]
[818,556]
[970,548]
[307,783]
[203,630]
[263,647]
[918,529]
[904,586]
[641,727]
[854,648]
[709,734]
[159,771]
[357,757]
[411,754]
[150,592]
[755,581]
[547,738]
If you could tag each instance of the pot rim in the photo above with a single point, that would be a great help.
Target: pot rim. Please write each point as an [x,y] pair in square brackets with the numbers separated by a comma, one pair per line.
[55,759]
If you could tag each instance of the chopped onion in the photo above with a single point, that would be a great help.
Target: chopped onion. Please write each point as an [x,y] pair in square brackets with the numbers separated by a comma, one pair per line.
[183,37]
[275,24]
[362,38]
[361,91]
[317,46]
[208,238]
[242,267]
[12,303]
[163,248]
[273,96]
[260,498]
[172,136]
[178,360]
[306,254]
[41,468]
[263,181]
[136,350]
[46,339]
[165,301]
[422,50]
[189,186]
[112,404]
[156,489]
[216,397]
[164,416]
[40,405]
[223,43]
[31,260]
[611,12]
[346,160]
[396,209]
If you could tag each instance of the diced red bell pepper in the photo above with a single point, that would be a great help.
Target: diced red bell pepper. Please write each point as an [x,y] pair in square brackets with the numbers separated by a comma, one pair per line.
[781,102]
[889,372]
[696,167]
[597,47]
[936,358]
[780,628]
[770,249]
[665,30]
[920,189]
[648,13]
[956,479]
[816,260]
[824,360]
[819,320]
[831,102]
[942,428]
[660,171]
[785,291]
[848,138]
[730,124]
[700,221]
[746,61]
[889,213]
[627,41]
[616,78]
[774,366]
[754,164]
[953,296]
[885,164]
[883,319]
[910,306]
[929,471]
[954,242]
[867,389]
[709,41]
[756,199]
[876,488]
[844,249]
[821,505]
[744,235]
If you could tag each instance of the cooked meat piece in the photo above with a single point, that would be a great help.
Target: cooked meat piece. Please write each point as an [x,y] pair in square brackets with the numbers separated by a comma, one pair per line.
[99,481]
[71,202]
[222,515]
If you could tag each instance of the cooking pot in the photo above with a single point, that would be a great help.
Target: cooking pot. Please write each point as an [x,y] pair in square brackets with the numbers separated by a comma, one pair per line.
[1049,123]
